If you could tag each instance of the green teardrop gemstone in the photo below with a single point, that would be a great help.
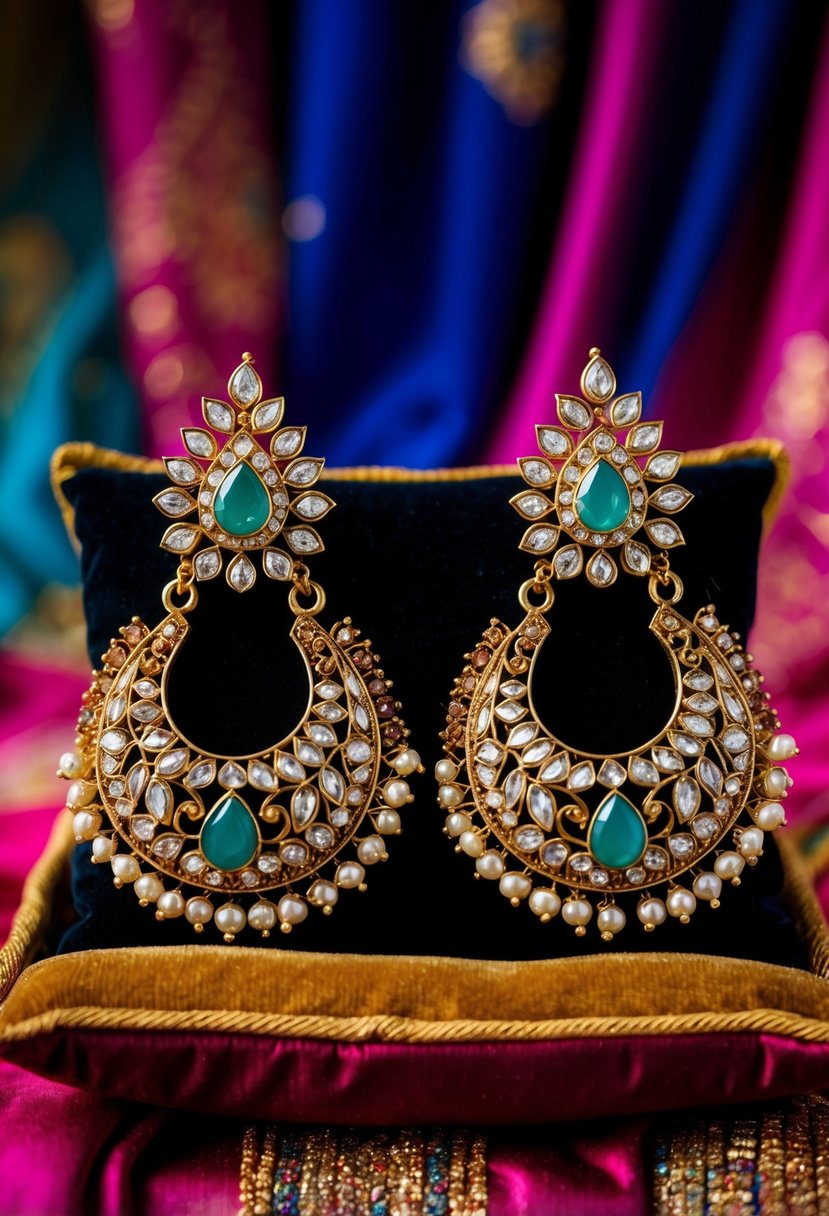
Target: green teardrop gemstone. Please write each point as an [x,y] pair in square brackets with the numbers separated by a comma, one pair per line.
[602,498]
[242,504]
[617,835]
[229,837]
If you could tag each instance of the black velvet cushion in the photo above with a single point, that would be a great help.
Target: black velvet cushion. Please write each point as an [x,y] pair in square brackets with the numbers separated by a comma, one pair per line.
[421,567]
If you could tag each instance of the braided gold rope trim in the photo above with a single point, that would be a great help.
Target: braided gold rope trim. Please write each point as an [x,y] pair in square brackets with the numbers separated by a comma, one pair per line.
[70,458]
[348,1172]
[772,1160]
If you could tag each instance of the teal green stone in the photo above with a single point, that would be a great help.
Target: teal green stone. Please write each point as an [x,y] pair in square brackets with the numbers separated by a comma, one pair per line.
[602,498]
[242,504]
[229,838]
[618,835]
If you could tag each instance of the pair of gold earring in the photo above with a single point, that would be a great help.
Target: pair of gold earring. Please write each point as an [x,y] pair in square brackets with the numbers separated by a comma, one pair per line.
[266,836]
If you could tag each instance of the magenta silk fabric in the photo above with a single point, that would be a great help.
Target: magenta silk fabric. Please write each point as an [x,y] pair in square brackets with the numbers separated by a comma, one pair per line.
[184,104]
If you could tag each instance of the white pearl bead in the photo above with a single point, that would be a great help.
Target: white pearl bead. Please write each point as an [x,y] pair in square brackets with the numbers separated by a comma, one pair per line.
[102,848]
[81,793]
[230,918]
[490,864]
[751,842]
[457,823]
[545,903]
[371,850]
[292,910]
[729,865]
[577,912]
[472,844]
[388,822]
[124,867]
[776,782]
[349,875]
[395,793]
[781,747]
[323,893]
[449,795]
[515,886]
[85,824]
[652,912]
[198,911]
[446,770]
[262,916]
[681,903]
[70,764]
[769,816]
[611,920]
[170,904]
[707,886]
[148,888]
[407,762]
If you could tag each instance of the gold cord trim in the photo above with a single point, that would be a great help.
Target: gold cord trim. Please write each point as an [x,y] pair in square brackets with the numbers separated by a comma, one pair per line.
[70,458]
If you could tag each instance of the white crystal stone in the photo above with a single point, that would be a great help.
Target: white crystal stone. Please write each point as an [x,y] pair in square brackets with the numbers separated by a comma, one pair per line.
[199,443]
[568,561]
[631,475]
[537,472]
[114,741]
[183,472]
[172,763]
[200,774]
[486,775]
[358,750]
[232,776]
[330,711]
[242,444]
[667,759]
[686,797]
[266,416]
[510,711]
[553,441]
[557,769]
[635,875]
[604,442]
[582,776]
[290,768]
[168,847]
[361,717]
[645,437]
[537,752]
[533,506]
[735,738]
[245,385]
[681,846]
[626,410]
[540,806]
[572,474]
[540,539]
[332,783]
[611,774]
[554,854]
[294,853]
[174,502]
[288,442]
[136,780]
[193,863]
[733,706]
[218,415]
[519,735]
[303,472]
[710,776]
[108,764]
[671,498]
[636,557]
[159,799]
[261,776]
[655,859]
[311,506]
[582,863]
[573,413]
[513,688]
[321,734]
[208,563]
[329,690]
[700,681]
[143,826]
[702,702]
[117,707]
[686,745]
[704,827]
[304,805]
[601,570]
[697,725]
[585,456]
[513,787]
[599,381]
[643,772]
[528,839]
[490,752]
[663,465]
[308,752]
[240,573]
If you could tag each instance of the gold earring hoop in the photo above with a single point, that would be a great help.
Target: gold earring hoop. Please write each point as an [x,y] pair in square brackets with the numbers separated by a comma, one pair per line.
[187,828]
[660,826]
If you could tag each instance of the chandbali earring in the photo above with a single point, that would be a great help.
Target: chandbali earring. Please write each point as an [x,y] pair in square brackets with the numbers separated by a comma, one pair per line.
[186,828]
[664,823]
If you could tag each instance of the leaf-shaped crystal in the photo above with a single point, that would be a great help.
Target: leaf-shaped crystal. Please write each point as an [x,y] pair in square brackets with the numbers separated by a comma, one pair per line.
[303,472]
[200,774]
[304,540]
[268,414]
[573,413]
[540,538]
[244,385]
[207,564]
[662,466]
[240,573]
[663,533]
[624,411]
[636,558]
[598,382]
[287,442]
[218,415]
[686,798]
[172,763]
[199,443]
[536,472]
[531,505]
[180,538]
[174,502]
[333,784]
[671,498]
[304,805]
[567,563]
[182,472]
[601,569]
[554,441]
[277,564]
[312,506]
[159,799]
[540,806]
